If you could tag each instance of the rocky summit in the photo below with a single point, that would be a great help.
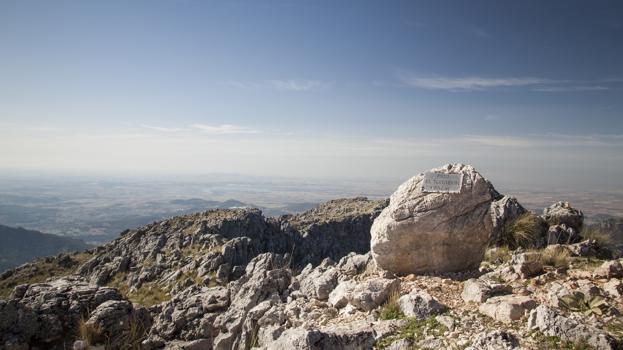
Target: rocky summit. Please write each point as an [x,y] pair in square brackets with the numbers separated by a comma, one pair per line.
[460,267]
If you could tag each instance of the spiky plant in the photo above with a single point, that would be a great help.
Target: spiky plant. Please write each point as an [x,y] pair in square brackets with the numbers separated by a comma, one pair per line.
[580,302]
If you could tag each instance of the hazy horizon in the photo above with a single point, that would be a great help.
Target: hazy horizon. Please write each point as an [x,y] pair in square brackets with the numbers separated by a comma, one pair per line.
[530,93]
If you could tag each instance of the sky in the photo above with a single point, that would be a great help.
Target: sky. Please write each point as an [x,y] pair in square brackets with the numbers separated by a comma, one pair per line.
[529,92]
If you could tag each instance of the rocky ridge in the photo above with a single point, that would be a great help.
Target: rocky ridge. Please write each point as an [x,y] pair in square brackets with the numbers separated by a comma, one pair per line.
[232,279]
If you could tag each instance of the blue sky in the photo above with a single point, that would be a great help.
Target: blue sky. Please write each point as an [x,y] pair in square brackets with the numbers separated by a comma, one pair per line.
[315,88]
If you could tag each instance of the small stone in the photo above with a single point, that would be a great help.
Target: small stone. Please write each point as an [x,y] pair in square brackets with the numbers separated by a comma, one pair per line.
[527,264]
[614,287]
[339,297]
[609,269]
[446,321]
[588,288]
[79,345]
[418,303]
[476,290]
[400,344]
[507,308]
[372,293]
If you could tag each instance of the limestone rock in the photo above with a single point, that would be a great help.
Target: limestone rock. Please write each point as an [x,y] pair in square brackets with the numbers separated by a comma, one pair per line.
[609,269]
[354,264]
[320,281]
[400,344]
[372,293]
[588,288]
[356,335]
[113,321]
[496,340]
[423,232]
[562,234]
[527,264]
[476,290]
[418,303]
[504,211]
[587,248]
[563,213]
[555,291]
[507,308]
[614,287]
[332,230]
[41,313]
[551,323]
[264,279]
[340,296]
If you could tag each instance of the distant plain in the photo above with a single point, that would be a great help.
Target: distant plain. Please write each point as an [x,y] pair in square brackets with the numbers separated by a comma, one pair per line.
[96,210]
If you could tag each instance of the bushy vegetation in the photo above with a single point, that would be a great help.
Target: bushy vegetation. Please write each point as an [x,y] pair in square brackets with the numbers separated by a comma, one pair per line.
[603,239]
[523,232]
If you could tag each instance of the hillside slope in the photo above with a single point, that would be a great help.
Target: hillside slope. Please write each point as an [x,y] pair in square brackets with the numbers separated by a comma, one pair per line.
[18,245]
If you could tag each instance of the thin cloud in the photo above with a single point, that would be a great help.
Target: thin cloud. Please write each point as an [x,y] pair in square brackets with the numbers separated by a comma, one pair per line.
[480,33]
[160,128]
[224,129]
[294,85]
[498,141]
[571,88]
[544,140]
[298,85]
[475,83]
[466,83]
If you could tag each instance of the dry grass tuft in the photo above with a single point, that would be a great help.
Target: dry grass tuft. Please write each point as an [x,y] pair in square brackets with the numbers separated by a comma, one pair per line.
[497,255]
[135,335]
[557,257]
[391,309]
[603,239]
[88,333]
[149,295]
[522,232]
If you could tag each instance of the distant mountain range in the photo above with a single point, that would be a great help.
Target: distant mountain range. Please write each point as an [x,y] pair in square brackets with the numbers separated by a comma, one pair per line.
[18,245]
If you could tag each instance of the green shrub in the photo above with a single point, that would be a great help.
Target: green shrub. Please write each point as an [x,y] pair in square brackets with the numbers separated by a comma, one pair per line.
[391,308]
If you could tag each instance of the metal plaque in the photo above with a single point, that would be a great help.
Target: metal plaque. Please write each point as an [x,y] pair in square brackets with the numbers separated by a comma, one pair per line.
[444,183]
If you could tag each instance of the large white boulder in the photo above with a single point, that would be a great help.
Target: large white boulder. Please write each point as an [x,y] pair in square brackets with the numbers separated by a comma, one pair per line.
[422,232]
